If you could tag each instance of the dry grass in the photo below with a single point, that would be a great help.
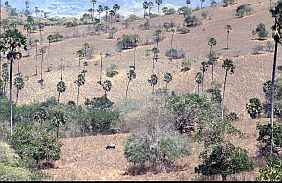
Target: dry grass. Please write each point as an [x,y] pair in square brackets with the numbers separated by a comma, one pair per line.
[85,158]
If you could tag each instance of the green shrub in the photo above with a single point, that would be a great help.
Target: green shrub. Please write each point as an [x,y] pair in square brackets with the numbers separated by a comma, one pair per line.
[145,26]
[8,155]
[8,173]
[175,54]
[112,71]
[243,10]
[228,2]
[232,117]
[257,49]
[191,21]
[272,172]
[254,108]
[183,30]
[261,31]
[185,64]
[269,46]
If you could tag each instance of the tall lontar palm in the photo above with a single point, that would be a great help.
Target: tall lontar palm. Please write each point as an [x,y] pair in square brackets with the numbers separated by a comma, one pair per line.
[130,76]
[199,80]
[79,82]
[50,40]
[36,41]
[116,8]
[28,28]
[229,66]
[41,28]
[202,3]
[156,52]
[228,29]
[11,41]
[107,9]
[42,51]
[150,6]
[107,86]
[276,29]
[188,2]
[136,40]
[204,68]
[145,7]
[19,84]
[93,14]
[159,2]
[61,88]
[100,10]
[211,43]
[81,54]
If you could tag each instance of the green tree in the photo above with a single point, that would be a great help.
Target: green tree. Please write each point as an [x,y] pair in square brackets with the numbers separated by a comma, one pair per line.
[272,172]
[261,31]
[58,120]
[213,57]
[199,79]
[130,76]
[277,15]
[224,159]
[167,79]
[229,66]
[61,88]
[211,43]
[145,7]
[228,29]
[12,41]
[159,2]
[254,108]
[19,84]
[204,68]
[153,81]
[79,82]
[107,86]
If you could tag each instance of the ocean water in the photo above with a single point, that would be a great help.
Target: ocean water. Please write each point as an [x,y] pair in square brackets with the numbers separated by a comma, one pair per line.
[67,8]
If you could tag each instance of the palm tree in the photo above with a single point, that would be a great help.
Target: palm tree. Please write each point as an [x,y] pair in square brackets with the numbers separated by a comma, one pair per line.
[86,46]
[36,41]
[61,88]
[79,82]
[204,68]
[36,11]
[228,28]
[12,40]
[150,6]
[167,79]
[41,51]
[107,86]
[112,13]
[145,7]
[93,7]
[100,10]
[50,40]
[276,29]
[199,80]
[211,43]
[212,60]
[158,33]
[156,52]
[28,29]
[19,84]
[159,2]
[58,119]
[172,34]
[187,3]
[81,54]
[136,39]
[41,28]
[202,3]
[153,81]
[101,69]
[116,8]
[228,65]
[130,76]
[107,9]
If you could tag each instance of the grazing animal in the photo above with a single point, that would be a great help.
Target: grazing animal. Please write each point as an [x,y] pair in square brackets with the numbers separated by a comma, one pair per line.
[111,146]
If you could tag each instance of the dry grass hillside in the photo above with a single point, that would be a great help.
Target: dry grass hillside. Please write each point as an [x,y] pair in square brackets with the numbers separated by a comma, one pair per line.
[85,158]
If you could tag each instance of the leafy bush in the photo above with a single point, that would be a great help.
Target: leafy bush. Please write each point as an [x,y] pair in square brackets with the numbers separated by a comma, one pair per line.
[272,172]
[264,138]
[183,30]
[55,37]
[112,71]
[243,10]
[8,173]
[261,31]
[254,108]
[175,54]
[99,103]
[145,26]
[185,64]
[224,159]
[232,117]
[191,21]
[33,145]
[228,2]
[168,25]
[127,41]
[257,49]
[269,46]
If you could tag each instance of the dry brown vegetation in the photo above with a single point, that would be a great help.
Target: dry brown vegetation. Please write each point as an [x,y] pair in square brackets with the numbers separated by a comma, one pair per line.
[85,158]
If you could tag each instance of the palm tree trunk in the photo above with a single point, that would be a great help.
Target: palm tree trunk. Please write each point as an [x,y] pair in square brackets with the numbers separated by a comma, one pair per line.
[59,97]
[127,87]
[36,52]
[212,71]
[134,56]
[166,86]
[153,66]
[77,98]
[203,81]
[222,102]
[48,56]
[101,70]
[153,88]
[227,39]
[198,88]
[11,95]
[93,14]
[41,66]
[17,95]
[201,4]
[18,66]
[159,10]
[272,94]
[144,12]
